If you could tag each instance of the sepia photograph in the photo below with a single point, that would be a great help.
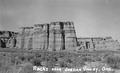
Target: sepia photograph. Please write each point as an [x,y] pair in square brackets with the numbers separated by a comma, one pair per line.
[59,36]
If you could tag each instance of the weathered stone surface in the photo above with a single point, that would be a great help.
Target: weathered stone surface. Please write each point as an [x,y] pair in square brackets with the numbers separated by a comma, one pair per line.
[98,43]
[54,36]
[7,39]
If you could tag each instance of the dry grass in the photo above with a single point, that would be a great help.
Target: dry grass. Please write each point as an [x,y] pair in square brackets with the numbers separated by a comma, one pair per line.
[113,61]
[62,59]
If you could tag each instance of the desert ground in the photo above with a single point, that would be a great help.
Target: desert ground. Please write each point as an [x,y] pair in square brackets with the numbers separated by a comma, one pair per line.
[17,61]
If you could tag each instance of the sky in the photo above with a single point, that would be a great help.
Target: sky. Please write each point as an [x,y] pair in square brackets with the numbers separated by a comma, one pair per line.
[92,18]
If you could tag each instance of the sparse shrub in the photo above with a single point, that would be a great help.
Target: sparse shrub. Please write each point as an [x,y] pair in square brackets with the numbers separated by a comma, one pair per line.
[53,59]
[98,59]
[38,55]
[69,61]
[27,68]
[61,54]
[50,64]
[37,62]
[63,64]
[13,60]
[22,58]
[87,59]
[29,57]
[114,62]
[78,62]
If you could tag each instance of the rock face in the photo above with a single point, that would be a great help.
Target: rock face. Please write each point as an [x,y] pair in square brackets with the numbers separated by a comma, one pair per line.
[54,36]
[98,43]
[7,39]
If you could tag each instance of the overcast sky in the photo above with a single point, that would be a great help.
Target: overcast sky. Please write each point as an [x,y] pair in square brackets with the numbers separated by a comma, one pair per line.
[91,17]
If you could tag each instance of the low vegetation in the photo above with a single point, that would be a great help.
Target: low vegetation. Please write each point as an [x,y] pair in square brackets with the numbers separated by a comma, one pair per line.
[51,59]
[113,61]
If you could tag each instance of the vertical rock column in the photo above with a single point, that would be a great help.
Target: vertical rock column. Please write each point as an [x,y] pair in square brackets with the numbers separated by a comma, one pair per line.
[18,38]
[45,36]
[62,36]
[58,36]
[54,37]
[22,38]
[74,34]
[70,36]
[37,39]
[41,36]
[25,37]
[30,39]
[48,33]
[51,36]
